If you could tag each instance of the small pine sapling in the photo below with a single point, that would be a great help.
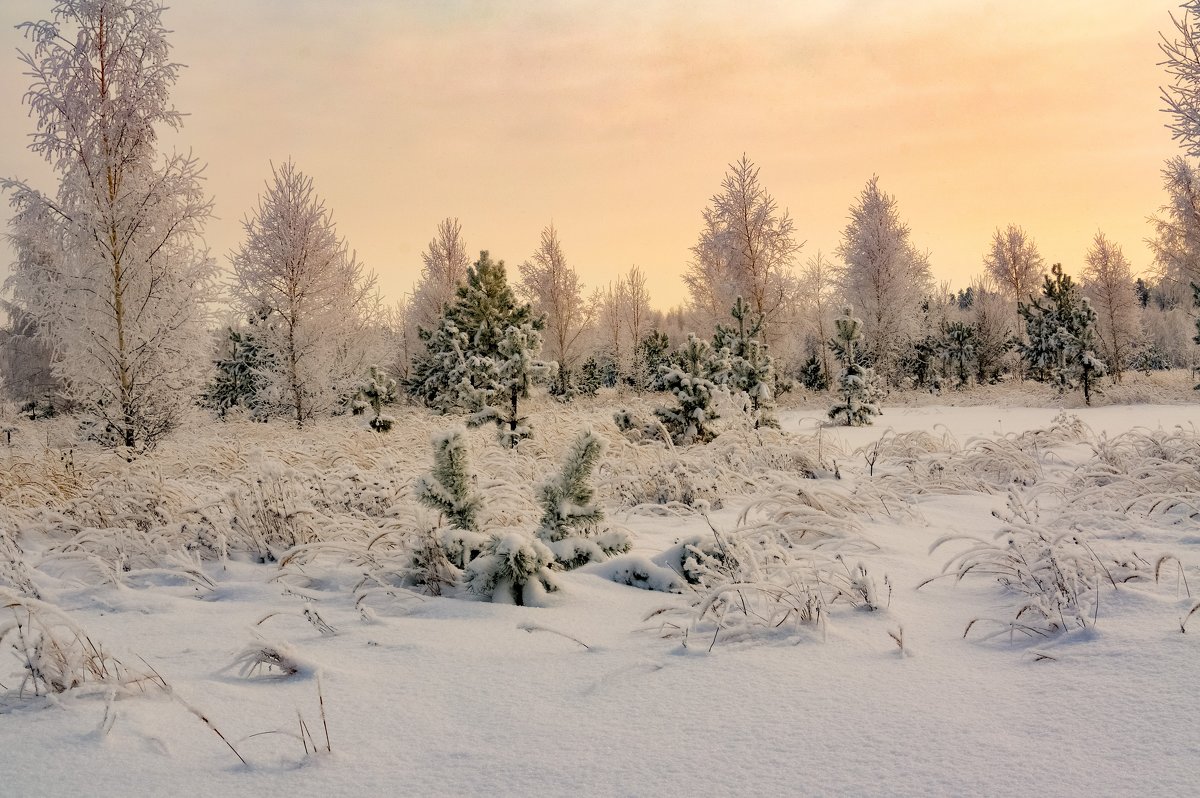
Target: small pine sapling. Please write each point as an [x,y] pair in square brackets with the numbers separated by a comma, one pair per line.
[517,370]
[570,517]
[688,382]
[380,389]
[513,566]
[447,490]
[857,387]
[742,364]
[812,374]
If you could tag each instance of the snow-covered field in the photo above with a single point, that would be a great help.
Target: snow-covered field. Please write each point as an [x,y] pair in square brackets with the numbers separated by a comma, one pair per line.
[773,676]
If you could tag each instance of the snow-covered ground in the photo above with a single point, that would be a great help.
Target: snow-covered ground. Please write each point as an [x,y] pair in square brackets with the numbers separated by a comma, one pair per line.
[596,692]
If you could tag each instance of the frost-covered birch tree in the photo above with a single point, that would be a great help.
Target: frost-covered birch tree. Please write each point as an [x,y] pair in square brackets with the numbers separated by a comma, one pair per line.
[884,276]
[444,268]
[1181,59]
[316,298]
[1108,282]
[1176,226]
[552,287]
[746,249]
[1014,263]
[121,296]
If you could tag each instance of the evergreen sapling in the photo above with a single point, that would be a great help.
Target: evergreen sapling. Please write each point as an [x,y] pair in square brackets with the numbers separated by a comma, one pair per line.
[857,384]
[570,516]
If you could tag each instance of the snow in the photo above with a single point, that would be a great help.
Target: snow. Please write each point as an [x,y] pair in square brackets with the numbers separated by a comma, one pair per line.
[593,692]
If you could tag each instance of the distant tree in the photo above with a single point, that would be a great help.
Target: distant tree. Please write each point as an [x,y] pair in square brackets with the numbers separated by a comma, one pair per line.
[817,288]
[884,276]
[26,363]
[745,248]
[857,385]
[1107,280]
[1060,330]
[444,268]
[960,349]
[114,276]
[1013,262]
[377,391]
[609,304]
[552,287]
[993,327]
[317,299]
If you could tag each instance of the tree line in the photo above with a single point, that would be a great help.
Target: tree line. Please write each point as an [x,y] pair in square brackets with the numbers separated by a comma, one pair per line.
[114,298]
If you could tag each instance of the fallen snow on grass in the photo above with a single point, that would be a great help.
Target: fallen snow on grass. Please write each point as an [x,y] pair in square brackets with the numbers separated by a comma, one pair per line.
[957,600]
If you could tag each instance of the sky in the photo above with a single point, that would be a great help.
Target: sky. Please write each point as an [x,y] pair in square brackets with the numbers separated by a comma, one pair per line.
[616,120]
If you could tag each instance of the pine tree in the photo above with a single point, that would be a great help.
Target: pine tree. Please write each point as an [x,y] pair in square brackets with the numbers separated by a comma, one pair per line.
[570,516]
[812,374]
[512,566]
[857,385]
[743,364]
[380,389]
[459,369]
[516,370]
[1196,303]
[653,353]
[689,383]
[447,490]
[960,348]
[1060,332]
[239,380]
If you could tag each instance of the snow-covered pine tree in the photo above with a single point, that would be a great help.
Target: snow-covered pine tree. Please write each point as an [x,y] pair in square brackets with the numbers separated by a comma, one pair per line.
[516,370]
[513,566]
[653,353]
[857,384]
[960,348]
[447,490]
[812,374]
[458,371]
[688,382]
[379,390]
[1060,332]
[570,516]
[239,381]
[745,366]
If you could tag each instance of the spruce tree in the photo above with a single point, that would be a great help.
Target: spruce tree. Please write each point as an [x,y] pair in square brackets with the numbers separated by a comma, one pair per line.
[857,384]
[960,348]
[689,383]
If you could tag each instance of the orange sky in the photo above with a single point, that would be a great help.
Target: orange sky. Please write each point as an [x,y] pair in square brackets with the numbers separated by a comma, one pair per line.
[616,120]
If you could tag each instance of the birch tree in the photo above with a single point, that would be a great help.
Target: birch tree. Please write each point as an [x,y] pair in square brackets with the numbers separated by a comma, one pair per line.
[883,275]
[1014,263]
[552,287]
[317,300]
[121,297]
[444,268]
[746,249]
[1108,282]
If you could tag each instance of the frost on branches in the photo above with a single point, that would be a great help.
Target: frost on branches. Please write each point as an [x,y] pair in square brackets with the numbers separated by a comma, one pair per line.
[1061,332]
[688,382]
[857,384]
[316,299]
[570,515]
[121,294]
